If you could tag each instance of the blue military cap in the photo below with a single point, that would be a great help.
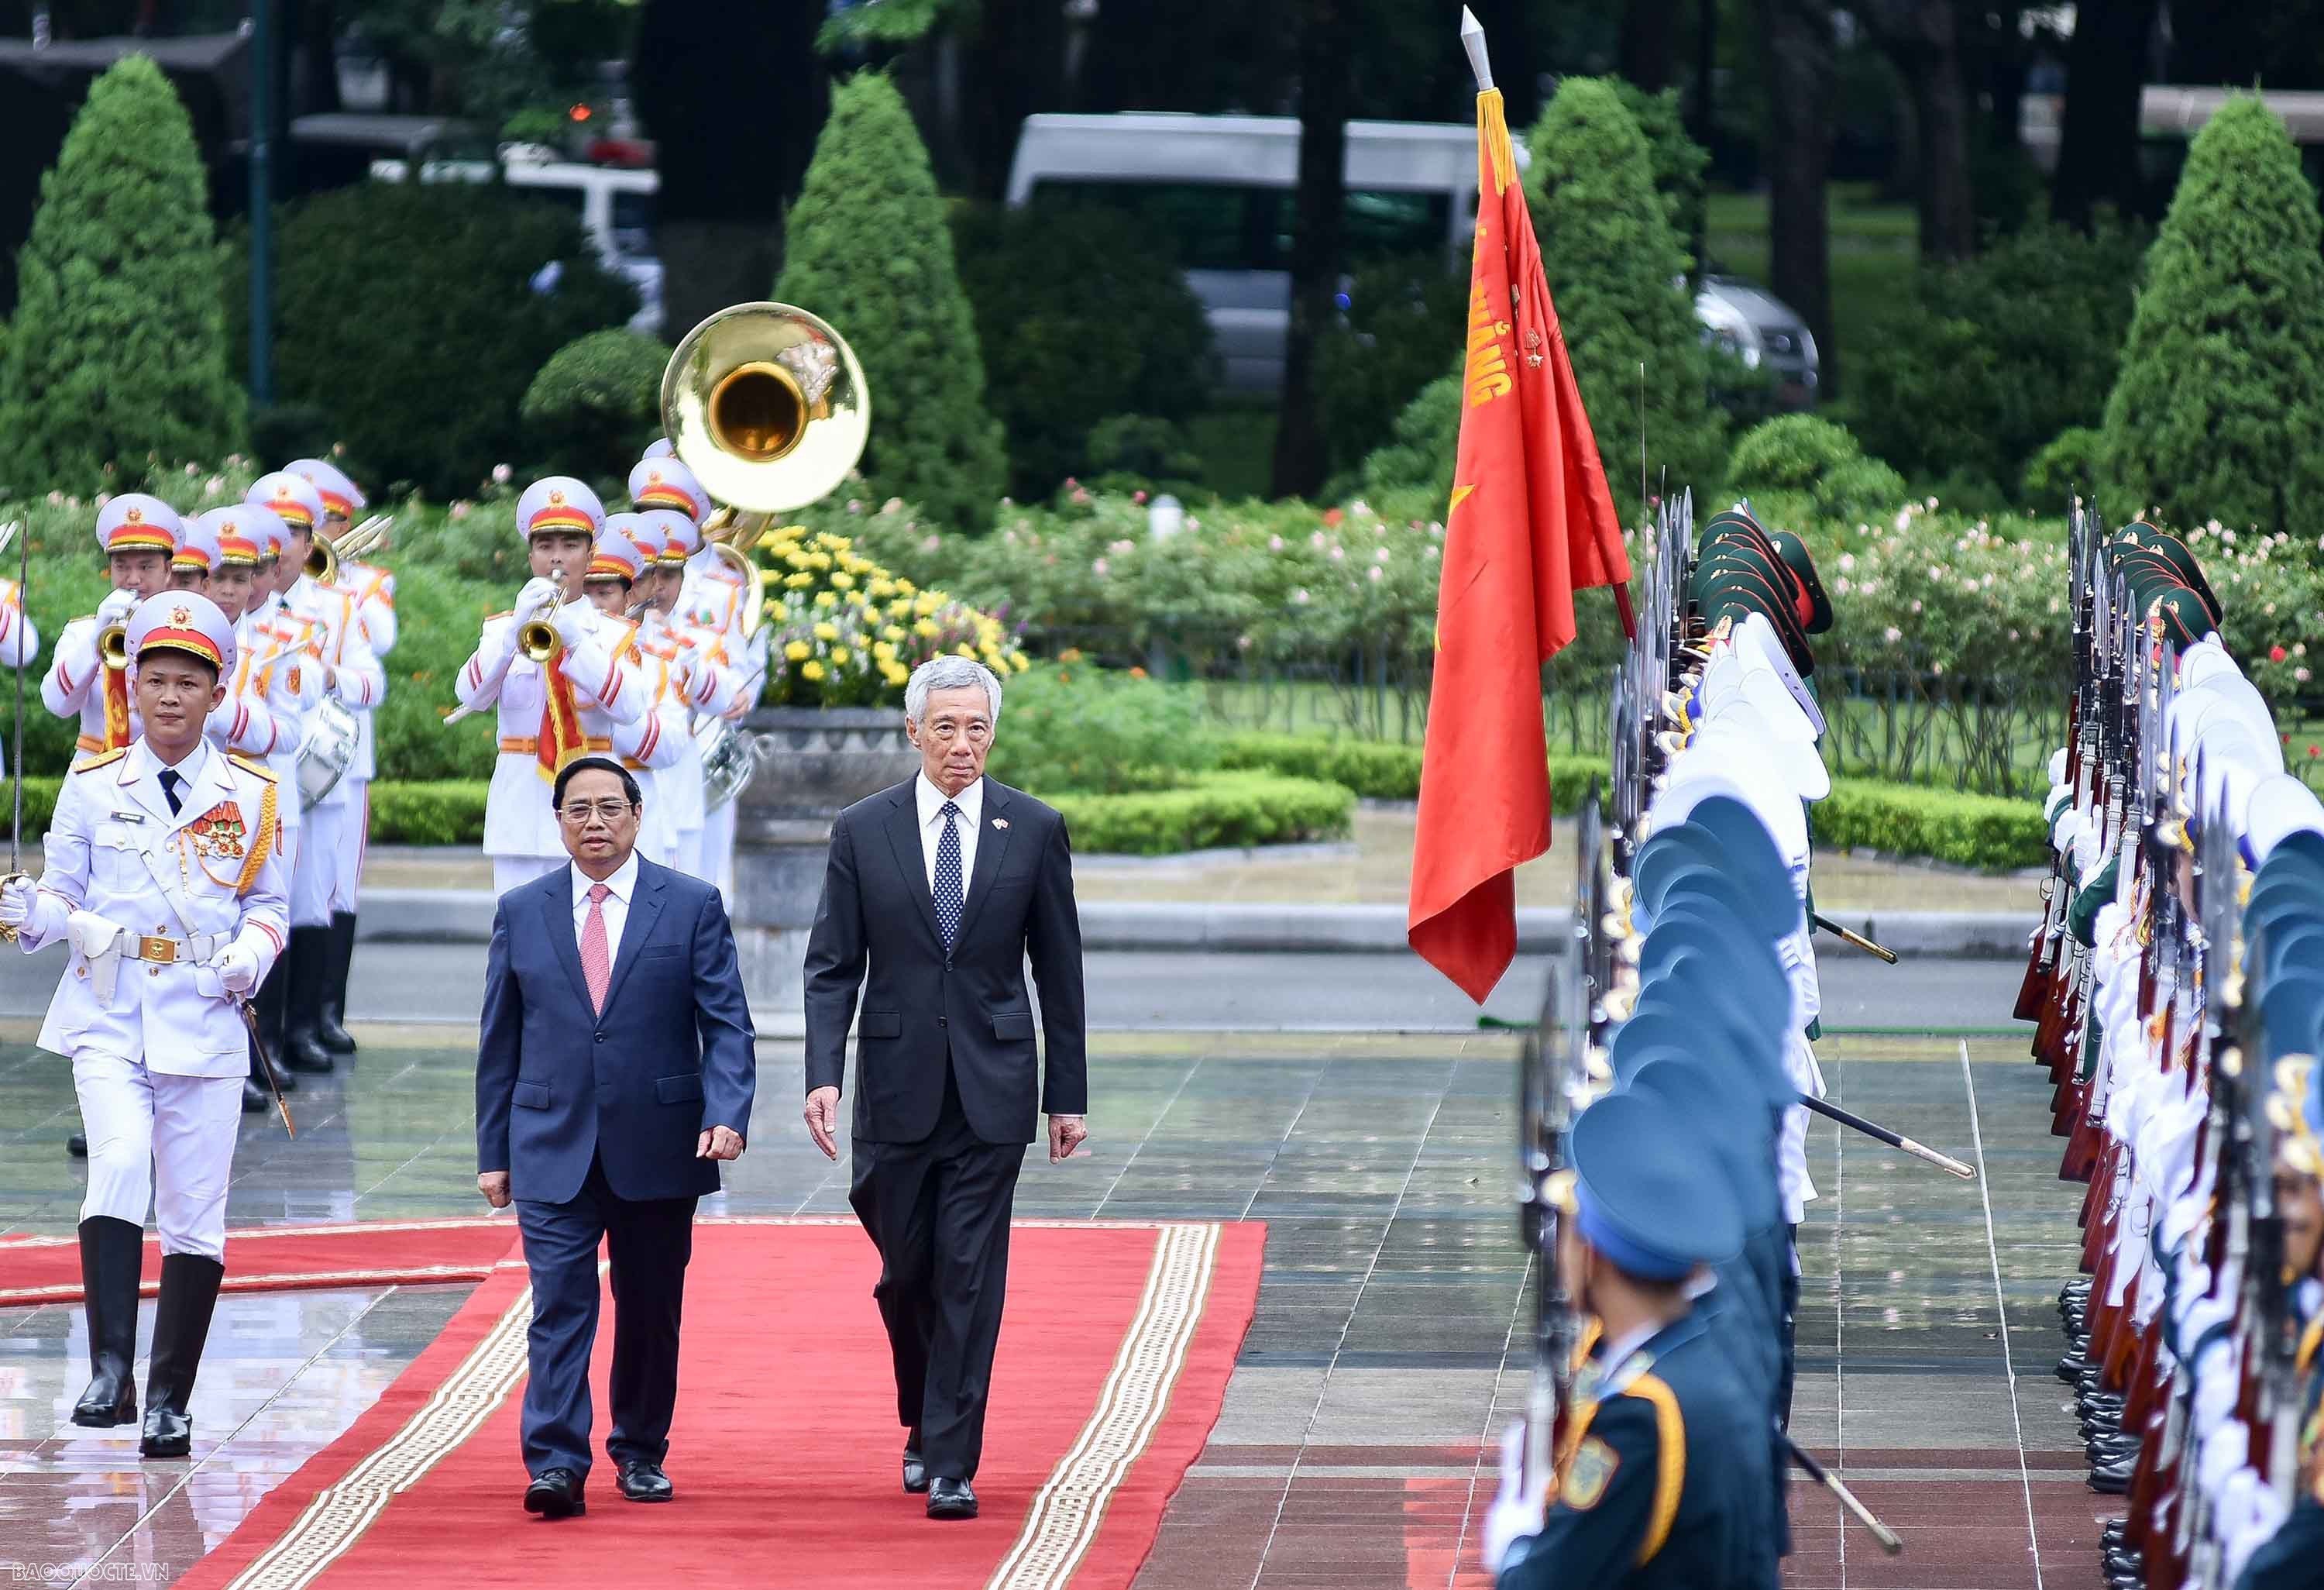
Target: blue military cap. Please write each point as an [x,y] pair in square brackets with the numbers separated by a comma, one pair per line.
[1692,981]
[2304,846]
[1741,955]
[1757,869]
[1720,1101]
[2292,1011]
[1648,1191]
[2279,898]
[2294,946]
[1706,1021]
[1771,916]
[1743,838]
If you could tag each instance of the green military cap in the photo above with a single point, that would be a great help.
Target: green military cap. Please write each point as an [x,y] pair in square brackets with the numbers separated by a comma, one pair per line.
[2181,560]
[2185,620]
[1794,553]
[1769,592]
[1739,603]
[2162,573]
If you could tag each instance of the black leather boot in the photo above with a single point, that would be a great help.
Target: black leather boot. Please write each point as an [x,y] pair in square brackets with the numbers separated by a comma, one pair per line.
[310,963]
[181,1323]
[268,1005]
[330,1022]
[110,1251]
[255,1099]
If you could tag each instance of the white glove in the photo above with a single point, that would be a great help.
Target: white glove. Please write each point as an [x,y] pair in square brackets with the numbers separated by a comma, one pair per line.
[116,608]
[2086,858]
[536,598]
[573,623]
[16,902]
[237,968]
[1518,1510]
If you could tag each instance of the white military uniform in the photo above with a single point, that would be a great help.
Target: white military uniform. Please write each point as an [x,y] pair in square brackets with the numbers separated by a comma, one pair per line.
[706,689]
[373,590]
[647,748]
[149,901]
[77,684]
[593,673]
[272,669]
[337,641]
[242,722]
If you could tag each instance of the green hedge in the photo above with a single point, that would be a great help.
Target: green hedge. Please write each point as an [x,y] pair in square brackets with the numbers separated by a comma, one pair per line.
[1378,771]
[1942,825]
[439,811]
[1217,809]
[1896,819]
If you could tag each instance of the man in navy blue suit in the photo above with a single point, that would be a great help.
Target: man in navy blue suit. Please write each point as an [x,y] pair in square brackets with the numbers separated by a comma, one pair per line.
[937,896]
[615,1068]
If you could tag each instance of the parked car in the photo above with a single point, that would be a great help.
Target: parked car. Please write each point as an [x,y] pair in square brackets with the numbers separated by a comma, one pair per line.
[1222,189]
[1763,331]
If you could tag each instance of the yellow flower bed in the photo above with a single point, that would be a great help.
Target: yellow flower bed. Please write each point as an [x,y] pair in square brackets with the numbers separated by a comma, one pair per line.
[843,632]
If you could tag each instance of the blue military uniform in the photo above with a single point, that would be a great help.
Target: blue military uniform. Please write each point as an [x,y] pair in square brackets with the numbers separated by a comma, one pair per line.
[1662,1474]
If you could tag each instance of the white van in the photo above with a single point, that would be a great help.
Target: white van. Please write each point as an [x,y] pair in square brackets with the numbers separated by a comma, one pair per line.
[1222,189]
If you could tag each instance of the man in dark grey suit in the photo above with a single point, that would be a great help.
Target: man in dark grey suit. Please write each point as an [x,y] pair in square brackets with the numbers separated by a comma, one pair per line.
[943,887]
[614,1069]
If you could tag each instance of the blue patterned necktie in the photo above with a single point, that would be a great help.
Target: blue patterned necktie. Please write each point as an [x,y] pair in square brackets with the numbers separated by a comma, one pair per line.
[948,890]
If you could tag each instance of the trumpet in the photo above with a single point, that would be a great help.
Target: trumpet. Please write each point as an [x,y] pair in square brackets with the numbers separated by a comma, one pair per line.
[325,556]
[113,645]
[538,640]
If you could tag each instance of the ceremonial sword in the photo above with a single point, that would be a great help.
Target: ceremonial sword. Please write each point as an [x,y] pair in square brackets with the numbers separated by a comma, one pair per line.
[16,729]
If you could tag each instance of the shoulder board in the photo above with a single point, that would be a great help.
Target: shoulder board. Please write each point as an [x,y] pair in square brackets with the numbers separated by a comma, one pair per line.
[256,769]
[102,759]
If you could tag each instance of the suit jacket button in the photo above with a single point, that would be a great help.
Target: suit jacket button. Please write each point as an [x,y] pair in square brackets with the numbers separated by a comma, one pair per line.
[941,1020]
[601,1038]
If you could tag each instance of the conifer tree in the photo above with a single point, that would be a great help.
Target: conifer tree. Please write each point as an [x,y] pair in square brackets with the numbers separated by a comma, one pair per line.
[2219,409]
[117,348]
[869,252]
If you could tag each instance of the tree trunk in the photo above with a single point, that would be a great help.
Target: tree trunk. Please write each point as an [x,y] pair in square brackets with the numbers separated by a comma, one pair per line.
[733,127]
[1649,38]
[1702,106]
[1016,64]
[1921,38]
[1797,45]
[1325,39]
[2098,138]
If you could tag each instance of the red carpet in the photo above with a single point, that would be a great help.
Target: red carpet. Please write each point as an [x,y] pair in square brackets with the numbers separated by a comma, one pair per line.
[1113,1361]
[277,1258]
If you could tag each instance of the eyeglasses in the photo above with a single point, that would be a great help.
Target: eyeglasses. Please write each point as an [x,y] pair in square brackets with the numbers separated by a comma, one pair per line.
[581,811]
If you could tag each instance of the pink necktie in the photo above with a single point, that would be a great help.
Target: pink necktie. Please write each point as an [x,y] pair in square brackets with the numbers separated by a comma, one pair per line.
[596,963]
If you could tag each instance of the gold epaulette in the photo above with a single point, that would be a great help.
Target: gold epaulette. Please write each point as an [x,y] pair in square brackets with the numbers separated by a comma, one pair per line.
[246,764]
[102,759]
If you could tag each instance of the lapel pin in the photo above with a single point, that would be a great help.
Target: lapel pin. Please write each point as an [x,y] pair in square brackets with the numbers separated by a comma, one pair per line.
[1000,822]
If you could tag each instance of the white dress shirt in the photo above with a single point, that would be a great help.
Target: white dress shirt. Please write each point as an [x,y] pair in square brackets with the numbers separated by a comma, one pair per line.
[623,883]
[971,802]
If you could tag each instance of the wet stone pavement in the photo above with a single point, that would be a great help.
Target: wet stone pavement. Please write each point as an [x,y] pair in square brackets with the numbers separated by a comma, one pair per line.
[1390,1344]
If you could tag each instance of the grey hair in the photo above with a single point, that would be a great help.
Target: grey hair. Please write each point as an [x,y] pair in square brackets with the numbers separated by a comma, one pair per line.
[949,673]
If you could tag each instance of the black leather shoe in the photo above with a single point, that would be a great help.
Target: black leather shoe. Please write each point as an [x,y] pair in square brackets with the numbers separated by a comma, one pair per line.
[951,1499]
[2073,1367]
[2111,1479]
[2124,1562]
[916,1468]
[76,1145]
[556,1493]
[255,1099]
[2116,1531]
[644,1482]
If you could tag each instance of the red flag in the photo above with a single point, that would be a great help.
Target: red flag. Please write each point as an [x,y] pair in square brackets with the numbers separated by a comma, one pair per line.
[1531,522]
